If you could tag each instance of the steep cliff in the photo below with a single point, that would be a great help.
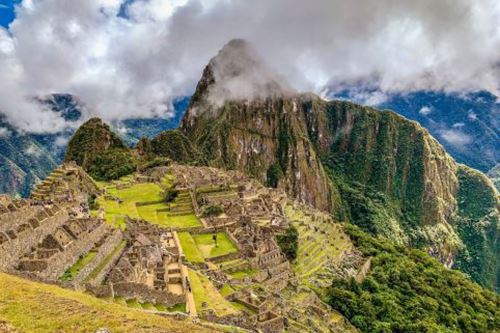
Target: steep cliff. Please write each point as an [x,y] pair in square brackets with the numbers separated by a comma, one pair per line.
[373,168]
[242,117]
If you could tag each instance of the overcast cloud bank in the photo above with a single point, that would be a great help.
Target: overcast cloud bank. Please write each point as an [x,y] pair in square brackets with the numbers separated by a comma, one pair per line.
[133,64]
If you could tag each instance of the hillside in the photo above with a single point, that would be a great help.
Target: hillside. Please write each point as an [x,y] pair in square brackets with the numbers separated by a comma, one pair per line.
[23,161]
[466,124]
[375,169]
[99,151]
[27,158]
[49,304]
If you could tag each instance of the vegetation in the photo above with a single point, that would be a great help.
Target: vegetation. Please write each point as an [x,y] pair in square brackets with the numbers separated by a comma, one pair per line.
[93,205]
[99,151]
[35,307]
[190,249]
[176,146]
[212,210]
[112,164]
[289,242]
[209,248]
[205,292]
[274,174]
[478,225]
[409,291]
[73,271]
[145,201]
[106,260]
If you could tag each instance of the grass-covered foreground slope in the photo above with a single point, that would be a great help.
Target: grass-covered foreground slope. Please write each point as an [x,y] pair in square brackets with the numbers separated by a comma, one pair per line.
[409,291]
[29,306]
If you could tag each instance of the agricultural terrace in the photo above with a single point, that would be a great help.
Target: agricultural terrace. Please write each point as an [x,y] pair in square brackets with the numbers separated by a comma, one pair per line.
[145,201]
[199,247]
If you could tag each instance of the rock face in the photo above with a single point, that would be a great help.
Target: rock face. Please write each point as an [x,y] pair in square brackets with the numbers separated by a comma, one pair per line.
[259,129]
[375,169]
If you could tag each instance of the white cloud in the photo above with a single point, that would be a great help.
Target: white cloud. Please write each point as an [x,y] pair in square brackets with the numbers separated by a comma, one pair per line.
[133,68]
[455,137]
[425,110]
[61,141]
[458,125]
[33,150]
[471,116]
[5,132]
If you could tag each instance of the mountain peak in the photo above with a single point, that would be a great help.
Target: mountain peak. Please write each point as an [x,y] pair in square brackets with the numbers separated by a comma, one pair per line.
[237,72]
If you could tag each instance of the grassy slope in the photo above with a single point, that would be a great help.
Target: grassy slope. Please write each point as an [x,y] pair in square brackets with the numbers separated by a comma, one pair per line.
[36,307]
[205,292]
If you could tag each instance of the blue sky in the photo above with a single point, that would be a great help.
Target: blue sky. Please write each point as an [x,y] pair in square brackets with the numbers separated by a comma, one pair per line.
[7,11]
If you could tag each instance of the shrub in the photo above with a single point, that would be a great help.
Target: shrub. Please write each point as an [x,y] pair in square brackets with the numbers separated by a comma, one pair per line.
[213,210]
[288,242]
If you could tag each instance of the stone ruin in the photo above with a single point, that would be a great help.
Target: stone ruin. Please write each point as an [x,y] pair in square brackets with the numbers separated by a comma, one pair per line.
[67,183]
[150,269]
[258,244]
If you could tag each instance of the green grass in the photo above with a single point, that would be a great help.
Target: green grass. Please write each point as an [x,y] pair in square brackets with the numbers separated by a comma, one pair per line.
[148,306]
[241,307]
[133,206]
[73,271]
[207,246]
[31,306]
[133,303]
[226,290]
[180,221]
[189,247]
[106,260]
[204,291]
[241,274]
[181,307]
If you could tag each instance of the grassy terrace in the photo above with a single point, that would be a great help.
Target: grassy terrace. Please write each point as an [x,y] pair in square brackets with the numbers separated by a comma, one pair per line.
[35,307]
[143,201]
[207,247]
[189,247]
[106,260]
[316,249]
[197,248]
[204,291]
[73,271]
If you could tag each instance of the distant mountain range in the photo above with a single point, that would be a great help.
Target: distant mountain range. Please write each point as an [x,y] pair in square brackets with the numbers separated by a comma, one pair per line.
[26,158]
[467,125]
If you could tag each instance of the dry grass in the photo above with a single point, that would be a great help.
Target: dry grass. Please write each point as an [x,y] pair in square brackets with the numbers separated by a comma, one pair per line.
[35,307]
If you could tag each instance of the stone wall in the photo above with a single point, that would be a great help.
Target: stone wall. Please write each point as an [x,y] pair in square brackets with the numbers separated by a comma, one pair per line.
[140,292]
[12,250]
[106,269]
[60,262]
[104,250]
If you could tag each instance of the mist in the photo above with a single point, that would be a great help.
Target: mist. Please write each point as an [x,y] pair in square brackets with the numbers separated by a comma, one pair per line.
[129,60]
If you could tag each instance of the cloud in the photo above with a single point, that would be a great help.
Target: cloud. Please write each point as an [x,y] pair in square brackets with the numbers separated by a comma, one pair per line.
[455,137]
[5,132]
[471,115]
[33,150]
[132,67]
[425,110]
